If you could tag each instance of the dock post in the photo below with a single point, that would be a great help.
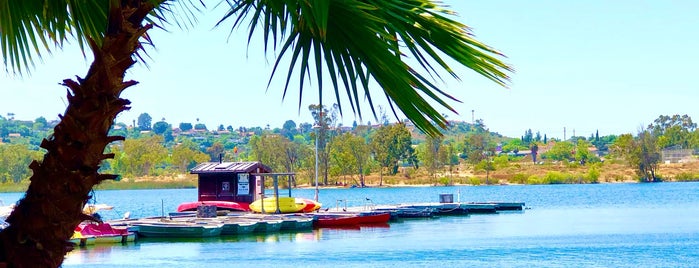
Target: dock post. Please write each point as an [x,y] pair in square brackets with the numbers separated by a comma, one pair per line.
[262,203]
[276,192]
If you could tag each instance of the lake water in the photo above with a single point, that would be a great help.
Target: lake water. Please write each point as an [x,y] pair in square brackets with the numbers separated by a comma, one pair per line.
[600,225]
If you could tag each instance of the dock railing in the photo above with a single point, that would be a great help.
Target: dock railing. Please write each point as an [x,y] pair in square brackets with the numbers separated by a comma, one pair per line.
[354,204]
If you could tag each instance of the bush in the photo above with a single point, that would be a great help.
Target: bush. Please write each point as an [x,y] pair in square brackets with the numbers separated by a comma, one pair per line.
[533,179]
[475,181]
[592,175]
[554,177]
[519,178]
[445,181]
[686,176]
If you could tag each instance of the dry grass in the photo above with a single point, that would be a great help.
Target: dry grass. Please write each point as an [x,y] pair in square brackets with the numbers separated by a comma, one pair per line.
[520,172]
[514,173]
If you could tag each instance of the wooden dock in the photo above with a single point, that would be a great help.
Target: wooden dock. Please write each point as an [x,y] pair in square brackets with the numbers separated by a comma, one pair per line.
[426,210]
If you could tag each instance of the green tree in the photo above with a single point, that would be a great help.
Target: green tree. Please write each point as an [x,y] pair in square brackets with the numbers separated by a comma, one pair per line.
[642,153]
[144,121]
[289,129]
[338,31]
[186,126]
[486,165]
[391,144]
[429,154]
[673,130]
[268,149]
[14,159]
[215,151]
[513,145]
[622,146]
[478,146]
[200,126]
[40,123]
[582,153]
[140,157]
[350,154]
[186,154]
[325,123]
[562,150]
[646,156]
[161,127]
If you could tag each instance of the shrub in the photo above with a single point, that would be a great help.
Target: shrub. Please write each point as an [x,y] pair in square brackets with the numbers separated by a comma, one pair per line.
[519,178]
[475,181]
[533,179]
[686,176]
[554,177]
[445,181]
[593,174]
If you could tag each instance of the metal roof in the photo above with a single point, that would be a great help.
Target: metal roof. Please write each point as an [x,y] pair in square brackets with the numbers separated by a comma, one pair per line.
[230,167]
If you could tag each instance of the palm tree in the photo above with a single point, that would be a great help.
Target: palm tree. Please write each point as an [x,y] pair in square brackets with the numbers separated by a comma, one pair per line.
[357,41]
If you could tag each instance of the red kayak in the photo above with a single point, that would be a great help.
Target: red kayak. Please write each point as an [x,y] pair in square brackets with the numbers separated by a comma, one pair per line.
[220,205]
[311,205]
[333,220]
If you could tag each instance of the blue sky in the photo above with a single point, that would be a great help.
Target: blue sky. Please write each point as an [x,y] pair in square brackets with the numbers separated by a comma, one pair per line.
[612,66]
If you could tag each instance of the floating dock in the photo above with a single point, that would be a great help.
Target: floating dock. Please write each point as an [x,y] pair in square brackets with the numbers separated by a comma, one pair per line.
[427,210]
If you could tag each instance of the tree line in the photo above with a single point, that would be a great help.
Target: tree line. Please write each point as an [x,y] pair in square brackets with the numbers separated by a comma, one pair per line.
[346,155]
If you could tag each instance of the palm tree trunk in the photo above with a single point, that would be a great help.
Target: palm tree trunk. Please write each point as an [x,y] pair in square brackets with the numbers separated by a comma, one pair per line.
[44,219]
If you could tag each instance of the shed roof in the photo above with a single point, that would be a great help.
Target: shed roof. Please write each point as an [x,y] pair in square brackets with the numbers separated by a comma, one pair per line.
[230,167]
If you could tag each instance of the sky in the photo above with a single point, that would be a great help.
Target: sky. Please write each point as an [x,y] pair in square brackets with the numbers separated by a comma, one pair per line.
[580,67]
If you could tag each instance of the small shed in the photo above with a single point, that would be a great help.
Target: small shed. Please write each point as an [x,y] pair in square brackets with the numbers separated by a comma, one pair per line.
[230,181]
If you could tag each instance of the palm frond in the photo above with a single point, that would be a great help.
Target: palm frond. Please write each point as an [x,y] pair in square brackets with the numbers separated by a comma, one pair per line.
[31,28]
[369,40]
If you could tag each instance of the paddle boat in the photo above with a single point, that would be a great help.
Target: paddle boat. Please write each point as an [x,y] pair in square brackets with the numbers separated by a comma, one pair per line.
[105,233]
[79,239]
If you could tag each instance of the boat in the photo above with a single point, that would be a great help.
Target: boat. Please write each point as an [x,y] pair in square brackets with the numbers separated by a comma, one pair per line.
[91,209]
[220,205]
[349,219]
[311,205]
[79,239]
[105,233]
[286,205]
[296,223]
[236,227]
[407,212]
[5,210]
[178,229]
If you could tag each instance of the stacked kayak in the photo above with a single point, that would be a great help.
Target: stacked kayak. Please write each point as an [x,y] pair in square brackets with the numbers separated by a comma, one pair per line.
[286,205]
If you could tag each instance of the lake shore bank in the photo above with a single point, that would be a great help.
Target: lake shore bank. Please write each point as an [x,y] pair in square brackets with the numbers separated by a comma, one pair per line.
[515,174]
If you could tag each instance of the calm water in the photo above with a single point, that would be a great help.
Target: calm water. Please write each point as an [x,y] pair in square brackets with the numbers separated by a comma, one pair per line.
[605,225]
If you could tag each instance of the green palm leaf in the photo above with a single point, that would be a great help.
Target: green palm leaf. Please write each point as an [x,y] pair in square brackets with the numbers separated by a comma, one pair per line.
[358,41]
[364,40]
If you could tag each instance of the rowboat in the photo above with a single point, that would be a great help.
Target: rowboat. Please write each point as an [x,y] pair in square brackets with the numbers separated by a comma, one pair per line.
[105,233]
[297,223]
[233,227]
[220,205]
[178,229]
[286,205]
[349,219]
[268,226]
